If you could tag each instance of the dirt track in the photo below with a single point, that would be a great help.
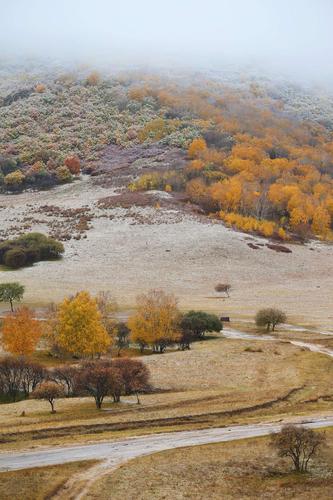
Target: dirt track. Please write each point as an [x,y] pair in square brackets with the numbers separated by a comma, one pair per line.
[133,250]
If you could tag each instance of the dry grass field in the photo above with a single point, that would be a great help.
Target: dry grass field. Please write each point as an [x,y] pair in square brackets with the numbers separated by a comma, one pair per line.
[38,483]
[219,381]
[236,470]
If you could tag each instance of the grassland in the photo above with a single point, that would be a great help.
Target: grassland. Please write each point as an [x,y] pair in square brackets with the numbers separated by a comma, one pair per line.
[236,470]
[218,382]
[38,483]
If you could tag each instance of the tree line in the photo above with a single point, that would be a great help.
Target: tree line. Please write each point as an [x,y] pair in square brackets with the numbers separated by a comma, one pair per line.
[84,326]
[21,378]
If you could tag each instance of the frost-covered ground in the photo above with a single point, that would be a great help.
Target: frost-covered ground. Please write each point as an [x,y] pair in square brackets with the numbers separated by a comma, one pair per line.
[129,251]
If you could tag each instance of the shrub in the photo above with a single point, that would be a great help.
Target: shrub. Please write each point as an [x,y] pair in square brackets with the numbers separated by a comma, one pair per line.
[7,165]
[73,164]
[93,78]
[63,174]
[15,258]
[40,88]
[29,248]
[14,180]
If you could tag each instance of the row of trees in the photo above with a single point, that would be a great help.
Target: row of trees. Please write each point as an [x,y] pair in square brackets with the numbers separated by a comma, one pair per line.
[84,326]
[21,378]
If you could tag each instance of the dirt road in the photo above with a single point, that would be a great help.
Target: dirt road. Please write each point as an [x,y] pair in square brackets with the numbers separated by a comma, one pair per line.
[232,333]
[118,452]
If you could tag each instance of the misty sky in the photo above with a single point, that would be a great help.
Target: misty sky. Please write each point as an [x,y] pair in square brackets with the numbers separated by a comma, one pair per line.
[293,36]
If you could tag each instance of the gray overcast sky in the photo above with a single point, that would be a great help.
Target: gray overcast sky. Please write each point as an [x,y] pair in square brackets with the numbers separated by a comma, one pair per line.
[291,35]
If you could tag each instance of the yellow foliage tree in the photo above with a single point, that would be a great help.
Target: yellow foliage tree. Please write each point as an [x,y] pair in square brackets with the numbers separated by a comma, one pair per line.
[196,147]
[80,328]
[156,322]
[321,222]
[21,332]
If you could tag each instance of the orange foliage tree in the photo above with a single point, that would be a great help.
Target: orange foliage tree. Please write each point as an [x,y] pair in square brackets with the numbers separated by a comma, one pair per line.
[196,147]
[73,164]
[21,332]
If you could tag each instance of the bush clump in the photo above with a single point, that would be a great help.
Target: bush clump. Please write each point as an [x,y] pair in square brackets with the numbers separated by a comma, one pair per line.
[29,248]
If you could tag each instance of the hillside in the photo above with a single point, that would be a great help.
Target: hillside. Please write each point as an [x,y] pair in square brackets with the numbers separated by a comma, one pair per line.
[137,216]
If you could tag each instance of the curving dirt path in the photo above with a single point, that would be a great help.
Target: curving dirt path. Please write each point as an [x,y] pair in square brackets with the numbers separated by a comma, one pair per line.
[232,333]
[116,453]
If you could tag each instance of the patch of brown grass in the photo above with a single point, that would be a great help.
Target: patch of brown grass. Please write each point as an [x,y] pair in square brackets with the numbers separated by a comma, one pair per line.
[39,483]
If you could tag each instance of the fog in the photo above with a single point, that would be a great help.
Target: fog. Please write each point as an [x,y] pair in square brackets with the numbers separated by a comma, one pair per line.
[292,37]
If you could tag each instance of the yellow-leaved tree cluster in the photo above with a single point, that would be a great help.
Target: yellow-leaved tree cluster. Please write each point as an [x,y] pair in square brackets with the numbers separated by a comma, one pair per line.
[253,165]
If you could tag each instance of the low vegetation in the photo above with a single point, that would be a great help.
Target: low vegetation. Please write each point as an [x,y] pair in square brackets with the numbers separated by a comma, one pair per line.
[28,249]
[252,160]
[39,483]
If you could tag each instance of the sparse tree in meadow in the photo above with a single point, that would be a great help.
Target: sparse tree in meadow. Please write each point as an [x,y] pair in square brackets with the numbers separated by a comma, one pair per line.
[223,288]
[299,444]
[156,321]
[11,292]
[80,330]
[194,324]
[270,318]
[49,391]
[21,332]
[122,333]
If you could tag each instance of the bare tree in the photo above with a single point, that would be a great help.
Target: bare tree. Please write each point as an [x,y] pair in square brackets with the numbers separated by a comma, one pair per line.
[135,375]
[299,444]
[100,381]
[223,288]
[64,375]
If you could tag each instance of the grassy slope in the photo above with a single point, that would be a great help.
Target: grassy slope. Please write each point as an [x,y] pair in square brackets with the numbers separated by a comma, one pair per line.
[243,469]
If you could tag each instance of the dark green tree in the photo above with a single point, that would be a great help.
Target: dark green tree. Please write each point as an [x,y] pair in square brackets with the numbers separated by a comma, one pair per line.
[194,324]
